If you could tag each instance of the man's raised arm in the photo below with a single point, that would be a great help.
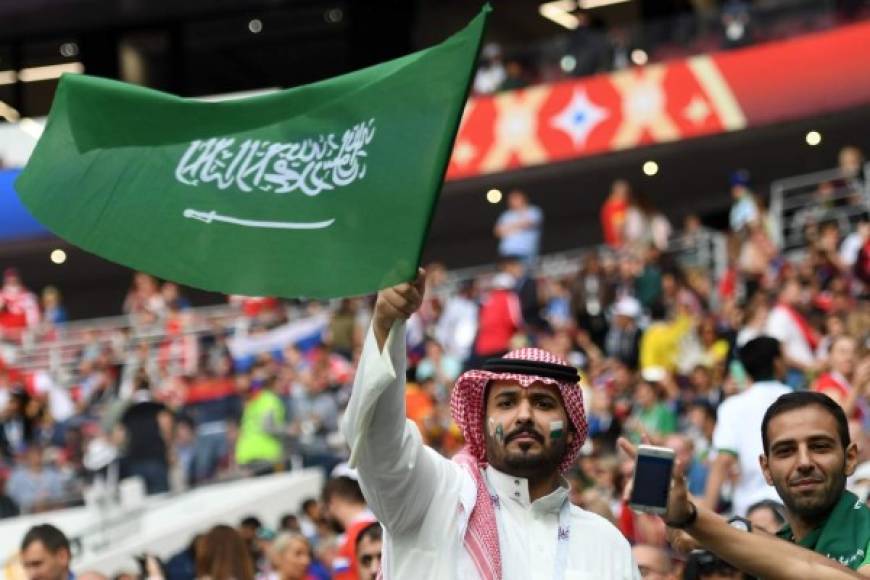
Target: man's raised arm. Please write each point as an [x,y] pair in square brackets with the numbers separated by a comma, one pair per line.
[398,474]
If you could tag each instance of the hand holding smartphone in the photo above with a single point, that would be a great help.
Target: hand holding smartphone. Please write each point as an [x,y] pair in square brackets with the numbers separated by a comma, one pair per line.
[652,479]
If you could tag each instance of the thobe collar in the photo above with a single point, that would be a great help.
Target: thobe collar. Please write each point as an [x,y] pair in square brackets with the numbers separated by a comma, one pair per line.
[516,489]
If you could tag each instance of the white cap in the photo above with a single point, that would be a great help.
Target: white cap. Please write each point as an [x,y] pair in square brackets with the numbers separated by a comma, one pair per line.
[627,306]
[503,281]
[345,470]
[654,374]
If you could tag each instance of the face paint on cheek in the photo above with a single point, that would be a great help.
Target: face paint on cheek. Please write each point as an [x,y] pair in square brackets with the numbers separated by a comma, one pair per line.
[496,430]
[557,429]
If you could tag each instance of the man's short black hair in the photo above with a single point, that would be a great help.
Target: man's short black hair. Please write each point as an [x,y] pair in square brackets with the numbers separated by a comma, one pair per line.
[52,538]
[307,504]
[799,400]
[251,522]
[706,407]
[373,532]
[758,355]
[345,488]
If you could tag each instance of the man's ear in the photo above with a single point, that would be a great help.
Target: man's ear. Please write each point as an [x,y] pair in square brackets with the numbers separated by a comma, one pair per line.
[851,458]
[765,469]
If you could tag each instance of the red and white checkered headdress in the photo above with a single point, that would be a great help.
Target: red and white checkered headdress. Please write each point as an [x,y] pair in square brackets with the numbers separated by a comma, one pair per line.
[525,366]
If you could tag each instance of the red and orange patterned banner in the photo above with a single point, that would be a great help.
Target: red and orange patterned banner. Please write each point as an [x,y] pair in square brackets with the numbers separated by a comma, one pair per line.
[702,95]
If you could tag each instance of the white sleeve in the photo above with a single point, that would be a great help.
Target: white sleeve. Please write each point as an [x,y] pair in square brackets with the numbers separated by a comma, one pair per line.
[777,325]
[399,475]
[726,435]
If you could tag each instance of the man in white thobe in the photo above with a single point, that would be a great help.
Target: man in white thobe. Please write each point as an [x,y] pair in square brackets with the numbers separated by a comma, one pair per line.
[500,509]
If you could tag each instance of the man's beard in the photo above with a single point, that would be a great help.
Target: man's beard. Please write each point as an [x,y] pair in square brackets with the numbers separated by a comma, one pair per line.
[521,463]
[815,507]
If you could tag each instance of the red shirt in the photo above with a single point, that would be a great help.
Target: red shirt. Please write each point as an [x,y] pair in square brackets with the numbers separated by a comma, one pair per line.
[831,383]
[500,318]
[612,218]
[344,565]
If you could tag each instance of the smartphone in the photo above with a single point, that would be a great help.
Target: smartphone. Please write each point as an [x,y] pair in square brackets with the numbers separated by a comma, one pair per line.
[652,479]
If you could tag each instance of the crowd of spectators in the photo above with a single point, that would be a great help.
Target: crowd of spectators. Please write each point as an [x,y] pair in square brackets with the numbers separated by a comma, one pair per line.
[669,30]
[656,333]
[294,548]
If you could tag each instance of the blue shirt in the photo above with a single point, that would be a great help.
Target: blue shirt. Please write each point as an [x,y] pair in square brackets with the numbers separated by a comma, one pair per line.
[743,212]
[523,242]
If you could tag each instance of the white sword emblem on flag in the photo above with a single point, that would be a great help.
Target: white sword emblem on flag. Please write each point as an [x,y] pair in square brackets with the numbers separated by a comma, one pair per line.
[208,217]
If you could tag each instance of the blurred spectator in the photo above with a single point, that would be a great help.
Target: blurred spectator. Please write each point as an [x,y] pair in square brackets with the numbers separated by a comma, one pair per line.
[8,507]
[491,73]
[766,515]
[184,450]
[289,523]
[212,402]
[182,566]
[263,561]
[623,339]
[754,319]
[526,288]
[309,518]
[695,470]
[440,368]
[851,246]
[588,45]
[46,554]
[519,228]
[500,318]
[147,427]
[345,506]
[35,486]
[851,164]
[653,562]
[52,306]
[314,416]
[660,344]
[260,448]
[644,225]
[291,554]
[847,381]
[17,429]
[744,210]
[516,74]
[736,24]
[224,556]
[19,307]
[457,327]
[172,296]
[144,301]
[738,423]
[613,213]
[651,418]
[369,545]
[342,336]
[248,529]
[788,325]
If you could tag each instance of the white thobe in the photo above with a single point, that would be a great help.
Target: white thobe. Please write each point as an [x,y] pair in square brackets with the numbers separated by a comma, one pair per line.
[423,499]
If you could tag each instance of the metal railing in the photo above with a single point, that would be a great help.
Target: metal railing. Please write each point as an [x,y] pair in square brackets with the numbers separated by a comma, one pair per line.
[814,199]
[706,250]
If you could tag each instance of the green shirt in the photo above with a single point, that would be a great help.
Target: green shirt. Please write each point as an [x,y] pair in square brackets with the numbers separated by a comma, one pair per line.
[657,420]
[844,536]
[263,413]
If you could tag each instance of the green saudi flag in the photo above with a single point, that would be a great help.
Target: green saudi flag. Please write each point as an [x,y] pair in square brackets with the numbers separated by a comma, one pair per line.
[324,190]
